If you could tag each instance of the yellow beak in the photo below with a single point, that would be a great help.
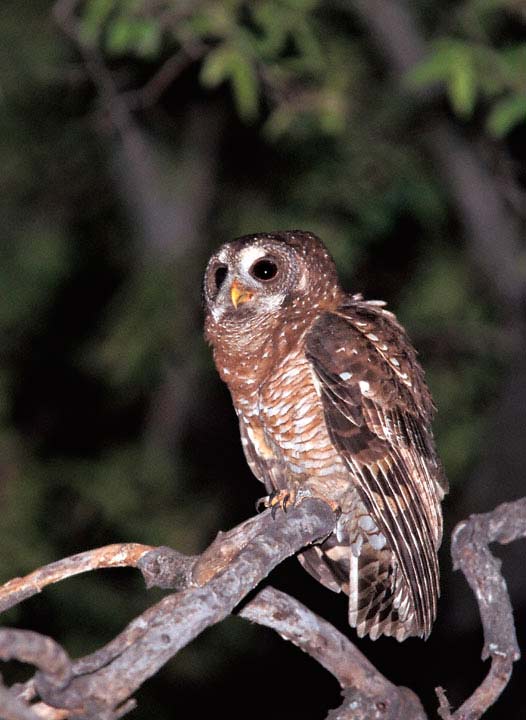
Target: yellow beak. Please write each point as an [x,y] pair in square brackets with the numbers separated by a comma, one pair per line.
[239,294]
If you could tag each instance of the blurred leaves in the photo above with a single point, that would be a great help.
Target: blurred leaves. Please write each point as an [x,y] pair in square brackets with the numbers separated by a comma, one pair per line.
[30,272]
[141,329]
[282,55]
[473,73]
[230,63]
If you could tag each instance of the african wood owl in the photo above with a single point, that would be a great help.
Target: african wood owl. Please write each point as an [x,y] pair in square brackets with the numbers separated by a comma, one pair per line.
[332,401]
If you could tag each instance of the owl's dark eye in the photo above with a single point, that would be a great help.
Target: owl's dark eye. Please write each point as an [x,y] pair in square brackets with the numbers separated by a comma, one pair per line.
[264,269]
[220,275]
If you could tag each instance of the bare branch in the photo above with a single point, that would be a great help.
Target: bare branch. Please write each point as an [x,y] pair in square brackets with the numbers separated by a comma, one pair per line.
[358,706]
[470,553]
[153,638]
[117,555]
[213,584]
[151,92]
[31,647]
[366,688]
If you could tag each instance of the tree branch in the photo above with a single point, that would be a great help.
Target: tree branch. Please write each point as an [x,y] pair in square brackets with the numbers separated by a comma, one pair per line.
[470,553]
[213,584]
[364,686]
[118,555]
[13,708]
[153,638]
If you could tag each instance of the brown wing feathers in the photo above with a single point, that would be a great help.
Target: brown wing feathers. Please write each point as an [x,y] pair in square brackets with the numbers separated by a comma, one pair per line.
[377,410]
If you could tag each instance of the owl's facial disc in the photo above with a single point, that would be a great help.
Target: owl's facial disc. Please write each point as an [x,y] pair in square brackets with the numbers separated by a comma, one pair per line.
[249,280]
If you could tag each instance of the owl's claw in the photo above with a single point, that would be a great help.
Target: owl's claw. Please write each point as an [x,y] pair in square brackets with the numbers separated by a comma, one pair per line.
[283,499]
[262,503]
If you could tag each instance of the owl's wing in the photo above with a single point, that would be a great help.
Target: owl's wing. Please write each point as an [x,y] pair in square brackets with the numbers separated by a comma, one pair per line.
[378,412]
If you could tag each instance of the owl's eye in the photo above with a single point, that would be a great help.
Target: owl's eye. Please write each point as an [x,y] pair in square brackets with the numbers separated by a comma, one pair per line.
[264,269]
[220,275]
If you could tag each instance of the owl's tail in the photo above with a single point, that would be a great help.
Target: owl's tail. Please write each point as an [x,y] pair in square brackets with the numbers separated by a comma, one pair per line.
[379,599]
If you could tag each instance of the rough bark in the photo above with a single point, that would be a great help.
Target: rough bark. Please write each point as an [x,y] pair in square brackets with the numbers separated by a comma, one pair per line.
[212,585]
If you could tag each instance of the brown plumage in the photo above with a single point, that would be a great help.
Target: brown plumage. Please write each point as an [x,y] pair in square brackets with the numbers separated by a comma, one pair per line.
[332,401]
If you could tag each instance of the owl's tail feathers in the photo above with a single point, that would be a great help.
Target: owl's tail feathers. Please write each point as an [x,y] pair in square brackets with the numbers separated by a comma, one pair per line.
[379,602]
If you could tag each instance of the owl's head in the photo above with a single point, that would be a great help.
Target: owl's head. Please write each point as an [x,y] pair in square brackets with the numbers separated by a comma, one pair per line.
[256,276]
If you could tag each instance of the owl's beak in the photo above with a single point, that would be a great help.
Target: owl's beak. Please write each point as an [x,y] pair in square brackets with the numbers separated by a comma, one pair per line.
[239,294]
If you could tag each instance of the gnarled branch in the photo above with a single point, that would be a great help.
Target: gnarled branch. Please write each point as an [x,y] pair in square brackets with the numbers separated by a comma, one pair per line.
[213,584]
[470,553]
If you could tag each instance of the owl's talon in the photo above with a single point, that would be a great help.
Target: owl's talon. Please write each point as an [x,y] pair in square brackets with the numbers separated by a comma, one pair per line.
[262,503]
[283,499]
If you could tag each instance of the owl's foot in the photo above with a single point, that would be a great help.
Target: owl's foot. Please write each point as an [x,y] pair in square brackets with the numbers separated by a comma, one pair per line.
[283,499]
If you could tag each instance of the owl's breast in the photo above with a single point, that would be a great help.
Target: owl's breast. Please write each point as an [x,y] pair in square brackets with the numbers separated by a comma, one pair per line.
[293,428]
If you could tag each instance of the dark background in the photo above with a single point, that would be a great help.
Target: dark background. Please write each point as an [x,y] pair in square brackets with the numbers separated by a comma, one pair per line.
[394,131]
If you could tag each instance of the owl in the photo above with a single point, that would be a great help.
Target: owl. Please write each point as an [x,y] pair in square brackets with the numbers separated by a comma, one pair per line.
[332,403]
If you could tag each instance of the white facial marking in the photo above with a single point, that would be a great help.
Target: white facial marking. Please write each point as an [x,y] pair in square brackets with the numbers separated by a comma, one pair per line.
[222,256]
[248,256]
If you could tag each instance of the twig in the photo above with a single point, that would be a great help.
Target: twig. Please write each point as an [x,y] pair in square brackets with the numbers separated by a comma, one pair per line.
[470,553]
[118,555]
[151,91]
[365,687]
[123,103]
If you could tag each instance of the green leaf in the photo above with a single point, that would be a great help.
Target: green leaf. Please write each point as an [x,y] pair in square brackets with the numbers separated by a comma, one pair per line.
[433,69]
[452,62]
[216,66]
[462,85]
[229,63]
[245,86]
[308,45]
[119,39]
[214,20]
[272,21]
[506,114]
[148,38]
